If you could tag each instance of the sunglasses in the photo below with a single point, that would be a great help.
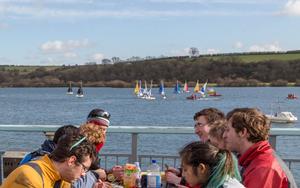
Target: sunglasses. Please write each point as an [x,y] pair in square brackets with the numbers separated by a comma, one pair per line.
[100,114]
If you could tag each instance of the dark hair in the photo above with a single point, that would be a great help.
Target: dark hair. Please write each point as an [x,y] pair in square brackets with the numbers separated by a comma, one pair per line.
[66,148]
[221,163]
[211,114]
[251,119]
[66,129]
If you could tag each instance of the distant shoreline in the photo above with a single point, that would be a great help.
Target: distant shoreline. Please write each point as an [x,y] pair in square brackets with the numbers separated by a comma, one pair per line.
[122,84]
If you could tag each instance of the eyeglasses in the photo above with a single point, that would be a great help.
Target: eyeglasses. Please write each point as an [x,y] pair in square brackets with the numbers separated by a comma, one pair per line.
[84,168]
[197,124]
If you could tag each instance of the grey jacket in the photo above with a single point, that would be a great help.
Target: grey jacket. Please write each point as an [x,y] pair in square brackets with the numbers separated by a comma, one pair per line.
[86,181]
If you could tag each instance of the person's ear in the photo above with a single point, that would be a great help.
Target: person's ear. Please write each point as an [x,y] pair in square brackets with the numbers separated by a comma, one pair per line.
[202,168]
[72,160]
[243,133]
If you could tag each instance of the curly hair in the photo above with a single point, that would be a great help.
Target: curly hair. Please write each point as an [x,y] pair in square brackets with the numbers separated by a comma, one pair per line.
[217,129]
[94,133]
[65,149]
[251,119]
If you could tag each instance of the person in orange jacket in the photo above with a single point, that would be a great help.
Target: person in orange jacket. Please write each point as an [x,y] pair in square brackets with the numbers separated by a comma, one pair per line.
[71,159]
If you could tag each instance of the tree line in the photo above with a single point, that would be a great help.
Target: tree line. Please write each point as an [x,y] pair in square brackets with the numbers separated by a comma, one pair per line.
[226,71]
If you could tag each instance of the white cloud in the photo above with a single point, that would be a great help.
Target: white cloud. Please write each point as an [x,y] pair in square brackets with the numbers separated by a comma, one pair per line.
[274,47]
[97,57]
[40,11]
[212,51]
[58,46]
[292,7]
[238,45]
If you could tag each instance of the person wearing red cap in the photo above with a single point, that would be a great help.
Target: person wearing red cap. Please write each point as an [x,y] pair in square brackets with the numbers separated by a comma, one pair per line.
[97,122]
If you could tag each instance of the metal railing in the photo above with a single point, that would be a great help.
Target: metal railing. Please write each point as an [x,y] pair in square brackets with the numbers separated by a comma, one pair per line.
[135,131]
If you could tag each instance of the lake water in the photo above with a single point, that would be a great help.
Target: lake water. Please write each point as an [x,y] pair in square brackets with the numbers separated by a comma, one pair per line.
[51,106]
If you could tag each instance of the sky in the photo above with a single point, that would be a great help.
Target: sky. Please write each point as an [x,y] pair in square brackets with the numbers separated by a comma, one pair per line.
[57,32]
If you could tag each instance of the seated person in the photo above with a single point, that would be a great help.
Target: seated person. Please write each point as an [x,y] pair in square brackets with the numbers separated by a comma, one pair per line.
[216,133]
[209,167]
[203,120]
[48,146]
[95,131]
[71,159]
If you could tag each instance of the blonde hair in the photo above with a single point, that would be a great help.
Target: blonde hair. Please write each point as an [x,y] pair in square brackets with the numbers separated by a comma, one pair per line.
[94,133]
[217,129]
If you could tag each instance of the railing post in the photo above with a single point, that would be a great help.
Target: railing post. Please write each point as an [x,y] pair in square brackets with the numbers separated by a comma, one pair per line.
[134,140]
[1,167]
[272,140]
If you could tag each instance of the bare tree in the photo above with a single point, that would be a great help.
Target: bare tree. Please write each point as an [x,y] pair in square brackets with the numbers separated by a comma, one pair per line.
[193,51]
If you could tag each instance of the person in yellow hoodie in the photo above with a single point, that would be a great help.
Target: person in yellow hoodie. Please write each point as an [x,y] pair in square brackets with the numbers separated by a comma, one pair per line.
[70,160]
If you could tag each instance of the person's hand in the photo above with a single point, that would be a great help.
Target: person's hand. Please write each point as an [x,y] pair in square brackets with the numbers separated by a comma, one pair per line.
[118,172]
[101,173]
[173,170]
[102,184]
[172,178]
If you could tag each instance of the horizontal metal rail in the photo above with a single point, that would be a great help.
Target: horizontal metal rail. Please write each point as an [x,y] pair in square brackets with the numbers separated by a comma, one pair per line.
[135,130]
[138,129]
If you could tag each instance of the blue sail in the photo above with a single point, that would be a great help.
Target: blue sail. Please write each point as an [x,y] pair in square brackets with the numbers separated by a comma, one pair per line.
[177,88]
[162,88]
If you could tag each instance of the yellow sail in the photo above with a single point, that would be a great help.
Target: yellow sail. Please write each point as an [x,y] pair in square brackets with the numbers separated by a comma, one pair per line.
[137,88]
[197,87]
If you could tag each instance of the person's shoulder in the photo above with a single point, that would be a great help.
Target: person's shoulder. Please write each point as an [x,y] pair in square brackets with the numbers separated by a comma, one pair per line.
[87,180]
[233,183]
[26,176]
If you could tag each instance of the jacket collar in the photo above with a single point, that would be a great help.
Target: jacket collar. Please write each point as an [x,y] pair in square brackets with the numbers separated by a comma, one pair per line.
[254,151]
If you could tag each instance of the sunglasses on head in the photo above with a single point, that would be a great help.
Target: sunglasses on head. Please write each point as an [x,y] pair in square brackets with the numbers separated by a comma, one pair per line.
[100,114]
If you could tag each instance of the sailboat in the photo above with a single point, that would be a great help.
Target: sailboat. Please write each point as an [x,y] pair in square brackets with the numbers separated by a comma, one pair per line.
[177,88]
[162,90]
[80,91]
[204,95]
[139,93]
[212,92]
[149,95]
[186,87]
[203,89]
[145,90]
[197,87]
[70,91]
[137,88]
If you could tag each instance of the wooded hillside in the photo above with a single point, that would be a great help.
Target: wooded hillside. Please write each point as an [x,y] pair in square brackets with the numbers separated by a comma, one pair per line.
[223,70]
